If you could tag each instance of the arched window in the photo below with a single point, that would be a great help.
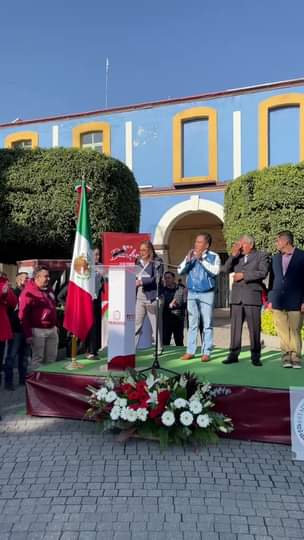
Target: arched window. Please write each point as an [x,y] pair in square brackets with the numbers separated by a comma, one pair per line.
[281,130]
[94,135]
[195,146]
[22,139]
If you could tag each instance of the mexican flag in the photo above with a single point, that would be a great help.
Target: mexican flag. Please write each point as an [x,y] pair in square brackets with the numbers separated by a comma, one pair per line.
[78,317]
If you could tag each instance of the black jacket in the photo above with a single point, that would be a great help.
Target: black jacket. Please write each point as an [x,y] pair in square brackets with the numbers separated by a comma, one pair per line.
[155,270]
[287,292]
[249,290]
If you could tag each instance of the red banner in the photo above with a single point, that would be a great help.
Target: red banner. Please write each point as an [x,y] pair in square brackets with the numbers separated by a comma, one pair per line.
[118,248]
[121,248]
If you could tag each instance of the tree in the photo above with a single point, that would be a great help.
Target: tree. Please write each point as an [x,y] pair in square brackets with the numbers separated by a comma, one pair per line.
[37,200]
[262,203]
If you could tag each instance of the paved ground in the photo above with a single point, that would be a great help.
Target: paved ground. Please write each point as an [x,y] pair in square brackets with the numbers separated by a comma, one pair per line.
[64,480]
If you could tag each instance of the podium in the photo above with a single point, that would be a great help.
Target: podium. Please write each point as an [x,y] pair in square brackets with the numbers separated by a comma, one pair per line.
[121,321]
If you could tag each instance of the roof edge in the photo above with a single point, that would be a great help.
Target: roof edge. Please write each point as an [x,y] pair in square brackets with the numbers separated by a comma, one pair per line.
[150,104]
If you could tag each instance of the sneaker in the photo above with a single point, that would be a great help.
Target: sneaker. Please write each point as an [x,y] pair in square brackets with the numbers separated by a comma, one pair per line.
[286,363]
[296,363]
[205,358]
[187,356]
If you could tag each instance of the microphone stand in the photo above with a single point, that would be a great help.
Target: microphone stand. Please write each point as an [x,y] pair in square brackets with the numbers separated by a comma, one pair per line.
[155,364]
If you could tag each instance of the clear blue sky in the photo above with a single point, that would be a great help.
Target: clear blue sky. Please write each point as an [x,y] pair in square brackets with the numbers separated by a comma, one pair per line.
[53,52]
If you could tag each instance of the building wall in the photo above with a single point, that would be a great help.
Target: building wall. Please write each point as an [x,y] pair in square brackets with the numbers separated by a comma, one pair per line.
[153,142]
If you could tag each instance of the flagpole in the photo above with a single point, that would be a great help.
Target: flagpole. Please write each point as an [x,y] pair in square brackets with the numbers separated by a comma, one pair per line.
[74,344]
[107,80]
[74,349]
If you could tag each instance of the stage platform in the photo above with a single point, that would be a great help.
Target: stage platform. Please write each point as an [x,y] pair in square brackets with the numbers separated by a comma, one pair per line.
[258,398]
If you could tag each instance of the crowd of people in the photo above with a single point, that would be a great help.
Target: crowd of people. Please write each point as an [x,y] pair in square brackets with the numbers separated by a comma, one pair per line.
[28,316]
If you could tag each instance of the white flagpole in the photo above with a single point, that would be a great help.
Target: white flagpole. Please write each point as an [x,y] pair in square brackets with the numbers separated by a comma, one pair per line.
[107,80]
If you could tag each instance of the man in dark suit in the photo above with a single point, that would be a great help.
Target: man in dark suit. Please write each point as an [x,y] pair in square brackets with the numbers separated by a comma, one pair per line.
[286,297]
[250,267]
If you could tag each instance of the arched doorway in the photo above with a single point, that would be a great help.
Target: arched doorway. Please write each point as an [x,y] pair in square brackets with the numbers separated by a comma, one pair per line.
[178,229]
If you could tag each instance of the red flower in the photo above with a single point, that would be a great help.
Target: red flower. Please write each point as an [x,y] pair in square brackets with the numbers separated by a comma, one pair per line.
[134,396]
[163,398]
[126,389]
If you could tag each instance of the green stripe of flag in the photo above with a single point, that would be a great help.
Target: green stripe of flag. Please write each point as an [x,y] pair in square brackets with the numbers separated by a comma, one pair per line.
[84,225]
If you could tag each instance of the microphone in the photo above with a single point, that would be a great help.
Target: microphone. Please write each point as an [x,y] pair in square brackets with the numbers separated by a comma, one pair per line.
[118,252]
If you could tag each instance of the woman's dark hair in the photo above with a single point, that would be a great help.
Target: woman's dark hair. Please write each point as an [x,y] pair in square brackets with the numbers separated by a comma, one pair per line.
[150,247]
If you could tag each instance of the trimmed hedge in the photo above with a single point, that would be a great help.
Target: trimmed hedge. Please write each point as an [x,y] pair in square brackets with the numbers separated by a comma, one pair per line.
[37,200]
[268,326]
[264,202]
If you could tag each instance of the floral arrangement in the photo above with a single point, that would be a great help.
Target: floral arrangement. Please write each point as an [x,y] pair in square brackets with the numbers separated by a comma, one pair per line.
[172,410]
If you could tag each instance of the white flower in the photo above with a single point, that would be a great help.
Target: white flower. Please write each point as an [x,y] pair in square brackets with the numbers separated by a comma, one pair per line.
[123,413]
[163,378]
[131,415]
[195,406]
[186,418]
[203,420]
[183,381]
[205,388]
[180,403]
[142,414]
[168,418]
[109,384]
[115,412]
[129,380]
[101,394]
[111,396]
[223,429]
[153,398]
[122,402]
[195,396]
[150,380]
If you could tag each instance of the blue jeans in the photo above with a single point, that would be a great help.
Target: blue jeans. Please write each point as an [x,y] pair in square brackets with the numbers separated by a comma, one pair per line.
[200,305]
[17,355]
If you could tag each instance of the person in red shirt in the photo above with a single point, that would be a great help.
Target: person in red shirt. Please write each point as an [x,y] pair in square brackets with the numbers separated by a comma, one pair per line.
[37,313]
[8,300]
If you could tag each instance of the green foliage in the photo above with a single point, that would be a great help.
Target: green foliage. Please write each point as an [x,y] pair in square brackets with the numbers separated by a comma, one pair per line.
[37,200]
[264,202]
[267,323]
[268,326]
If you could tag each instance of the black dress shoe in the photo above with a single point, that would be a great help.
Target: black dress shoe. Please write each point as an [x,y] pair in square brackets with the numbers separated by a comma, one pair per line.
[256,363]
[230,360]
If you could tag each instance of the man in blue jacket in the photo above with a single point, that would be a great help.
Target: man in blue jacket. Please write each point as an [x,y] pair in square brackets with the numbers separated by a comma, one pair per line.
[201,266]
[286,297]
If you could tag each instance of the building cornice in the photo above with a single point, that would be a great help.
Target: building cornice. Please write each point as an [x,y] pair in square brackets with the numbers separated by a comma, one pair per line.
[189,190]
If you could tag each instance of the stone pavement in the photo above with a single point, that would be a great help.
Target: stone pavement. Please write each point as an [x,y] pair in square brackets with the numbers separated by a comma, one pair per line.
[64,480]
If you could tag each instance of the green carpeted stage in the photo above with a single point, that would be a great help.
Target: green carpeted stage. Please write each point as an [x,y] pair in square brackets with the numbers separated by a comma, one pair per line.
[271,375]
[256,398]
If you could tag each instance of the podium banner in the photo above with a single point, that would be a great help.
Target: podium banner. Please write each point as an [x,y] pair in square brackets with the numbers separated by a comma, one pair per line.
[118,249]
[121,248]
